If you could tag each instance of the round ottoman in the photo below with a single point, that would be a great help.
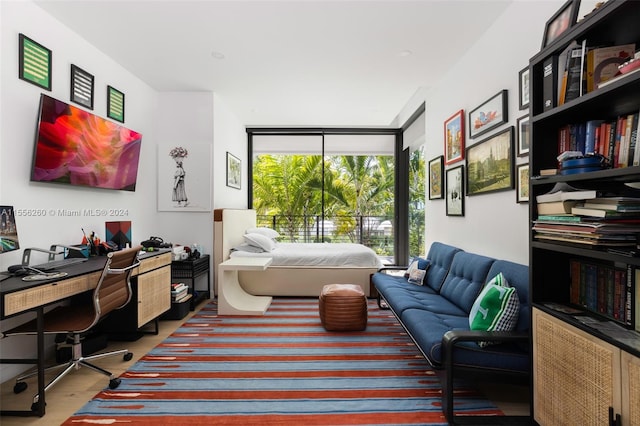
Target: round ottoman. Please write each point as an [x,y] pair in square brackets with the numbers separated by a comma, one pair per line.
[343,307]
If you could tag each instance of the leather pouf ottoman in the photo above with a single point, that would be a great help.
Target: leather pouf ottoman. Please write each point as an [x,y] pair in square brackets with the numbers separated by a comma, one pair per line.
[343,307]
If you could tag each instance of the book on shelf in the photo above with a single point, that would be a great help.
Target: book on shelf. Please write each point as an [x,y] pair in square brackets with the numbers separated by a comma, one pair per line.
[582,240]
[183,298]
[556,207]
[600,212]
[569,73]
[636,287]
[562,191]
[592,129]
[621,204]
[602,63]
[616,78]
[548,172]
[549,82]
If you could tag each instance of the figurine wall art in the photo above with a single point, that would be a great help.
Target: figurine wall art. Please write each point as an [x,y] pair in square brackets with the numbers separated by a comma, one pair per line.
[184,177]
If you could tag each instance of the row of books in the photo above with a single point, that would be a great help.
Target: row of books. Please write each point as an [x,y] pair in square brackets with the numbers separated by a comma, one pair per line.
[611,291]
[580,69]
[613,139]
[179,292]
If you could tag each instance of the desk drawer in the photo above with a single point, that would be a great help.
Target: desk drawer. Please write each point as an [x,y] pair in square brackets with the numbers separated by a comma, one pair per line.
[152,263]
[30,298]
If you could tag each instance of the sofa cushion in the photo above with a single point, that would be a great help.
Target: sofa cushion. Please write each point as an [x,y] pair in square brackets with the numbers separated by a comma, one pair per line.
[465,279]
[496,308]
[440,255]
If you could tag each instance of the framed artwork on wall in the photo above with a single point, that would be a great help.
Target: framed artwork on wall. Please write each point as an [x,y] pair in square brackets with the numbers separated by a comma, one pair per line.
[522,183]
[115,104]
[436,169]
[81,87]
[455,191]
[523,86]
[490,164]
[454,138]
[560,22]
[492,113]
[523,135]
[234,171]
[184,177]
[34,62]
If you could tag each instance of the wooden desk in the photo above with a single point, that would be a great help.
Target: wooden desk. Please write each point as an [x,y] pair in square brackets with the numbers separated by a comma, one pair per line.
[232,299]
[18,297]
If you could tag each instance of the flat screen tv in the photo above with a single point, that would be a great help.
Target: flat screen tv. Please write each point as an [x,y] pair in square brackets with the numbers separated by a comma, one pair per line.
[76,147]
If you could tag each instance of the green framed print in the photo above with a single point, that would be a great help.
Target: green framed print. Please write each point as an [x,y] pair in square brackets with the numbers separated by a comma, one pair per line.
[436,171]
[115,104]
[34,62]
[490,164]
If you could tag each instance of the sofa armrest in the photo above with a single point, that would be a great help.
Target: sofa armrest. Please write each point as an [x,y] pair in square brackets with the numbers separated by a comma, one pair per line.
[452,337]
[392,268]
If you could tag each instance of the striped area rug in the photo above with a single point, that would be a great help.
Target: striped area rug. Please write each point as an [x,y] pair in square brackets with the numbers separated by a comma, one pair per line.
[279,369]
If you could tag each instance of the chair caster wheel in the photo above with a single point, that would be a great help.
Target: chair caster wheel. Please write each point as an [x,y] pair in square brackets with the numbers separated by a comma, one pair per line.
[34,406]
[114,383]
[127,356]
[20,387]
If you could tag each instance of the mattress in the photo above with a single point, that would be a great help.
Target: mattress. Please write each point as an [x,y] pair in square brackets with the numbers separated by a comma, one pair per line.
[318,255]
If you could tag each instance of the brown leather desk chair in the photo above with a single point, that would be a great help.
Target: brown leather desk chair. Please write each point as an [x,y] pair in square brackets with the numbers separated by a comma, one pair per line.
[113,291]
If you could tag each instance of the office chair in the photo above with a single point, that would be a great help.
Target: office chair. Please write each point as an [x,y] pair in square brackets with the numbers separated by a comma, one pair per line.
[113,291]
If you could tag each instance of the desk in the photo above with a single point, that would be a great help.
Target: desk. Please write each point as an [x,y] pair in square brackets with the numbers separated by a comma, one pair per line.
[18,297]
[232,299]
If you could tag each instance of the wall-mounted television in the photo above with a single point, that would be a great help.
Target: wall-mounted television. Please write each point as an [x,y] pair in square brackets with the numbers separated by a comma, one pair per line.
[76,147]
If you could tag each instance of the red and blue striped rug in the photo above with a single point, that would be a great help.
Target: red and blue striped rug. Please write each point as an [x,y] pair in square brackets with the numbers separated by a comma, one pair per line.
[279,369]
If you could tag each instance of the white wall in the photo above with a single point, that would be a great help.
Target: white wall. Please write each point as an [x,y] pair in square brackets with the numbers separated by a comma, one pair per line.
[160,117]
[493,224]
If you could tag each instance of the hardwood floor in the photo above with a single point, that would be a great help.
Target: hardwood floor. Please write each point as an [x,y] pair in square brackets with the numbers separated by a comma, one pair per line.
[80,386]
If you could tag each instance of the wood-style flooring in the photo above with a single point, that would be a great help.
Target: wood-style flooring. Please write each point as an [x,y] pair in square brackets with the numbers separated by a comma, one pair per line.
[80,386]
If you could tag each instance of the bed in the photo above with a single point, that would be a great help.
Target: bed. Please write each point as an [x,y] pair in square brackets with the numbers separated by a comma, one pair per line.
[291,276]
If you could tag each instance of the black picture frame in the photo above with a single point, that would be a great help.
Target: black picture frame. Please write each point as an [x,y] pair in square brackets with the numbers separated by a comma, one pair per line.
[234,171]
[490,164]
[560,22]
[455,191]
[522,183]
[82,85]
[34,62]
[523,88]
[115,104]
[523,135]
[490,114]
[436,178]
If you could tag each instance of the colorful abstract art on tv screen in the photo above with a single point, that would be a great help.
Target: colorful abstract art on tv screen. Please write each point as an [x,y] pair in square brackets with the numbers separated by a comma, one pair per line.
[76,147]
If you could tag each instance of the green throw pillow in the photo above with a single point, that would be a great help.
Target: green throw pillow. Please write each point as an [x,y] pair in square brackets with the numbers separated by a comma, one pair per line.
[496,308]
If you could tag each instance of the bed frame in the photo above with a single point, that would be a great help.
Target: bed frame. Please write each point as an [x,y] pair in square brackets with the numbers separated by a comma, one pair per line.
[228,230]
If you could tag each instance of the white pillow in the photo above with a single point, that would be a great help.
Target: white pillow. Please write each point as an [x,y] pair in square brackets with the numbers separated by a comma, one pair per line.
[267,232]
[259,240]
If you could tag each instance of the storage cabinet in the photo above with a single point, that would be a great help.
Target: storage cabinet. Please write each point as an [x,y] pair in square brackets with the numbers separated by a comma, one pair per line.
[189,270]
[580,373]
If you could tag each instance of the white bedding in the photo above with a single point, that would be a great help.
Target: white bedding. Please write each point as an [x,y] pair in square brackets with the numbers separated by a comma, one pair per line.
[318,254]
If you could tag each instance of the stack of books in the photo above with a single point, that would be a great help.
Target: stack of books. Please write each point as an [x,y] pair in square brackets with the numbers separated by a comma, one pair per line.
[179,292]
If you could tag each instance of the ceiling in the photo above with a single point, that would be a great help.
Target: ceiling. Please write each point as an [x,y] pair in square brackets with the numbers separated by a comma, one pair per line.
[286,63]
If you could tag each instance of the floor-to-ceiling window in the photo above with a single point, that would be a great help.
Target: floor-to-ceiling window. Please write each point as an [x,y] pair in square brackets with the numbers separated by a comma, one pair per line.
[331,185]
[413,141]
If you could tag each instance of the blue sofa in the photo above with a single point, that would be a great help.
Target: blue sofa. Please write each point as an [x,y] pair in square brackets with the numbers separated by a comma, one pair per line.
[436,316]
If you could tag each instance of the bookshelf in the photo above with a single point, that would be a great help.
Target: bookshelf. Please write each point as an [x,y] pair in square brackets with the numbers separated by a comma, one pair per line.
[550,261]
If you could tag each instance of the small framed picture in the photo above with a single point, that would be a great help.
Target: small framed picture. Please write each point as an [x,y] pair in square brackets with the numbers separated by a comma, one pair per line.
[455,191]
[523,85]
[34,62]
[560,22]
[115,104]
[436,170]
[523,135]
[454,138]
[492,113]
[522,184]
[234,171]
[81,87]
[490,164]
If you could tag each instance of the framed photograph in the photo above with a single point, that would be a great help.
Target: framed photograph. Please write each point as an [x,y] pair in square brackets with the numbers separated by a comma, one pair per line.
[234,171]
[523,135]
[436,171]
[81,87]
[523,85]
[489,115]
[455,191]
[454,138]
[115,104]
[560,22]
[490,164]
[34,62]
[522,183]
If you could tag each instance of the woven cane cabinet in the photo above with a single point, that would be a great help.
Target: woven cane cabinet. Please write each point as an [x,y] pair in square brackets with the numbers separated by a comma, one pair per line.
[581,376]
